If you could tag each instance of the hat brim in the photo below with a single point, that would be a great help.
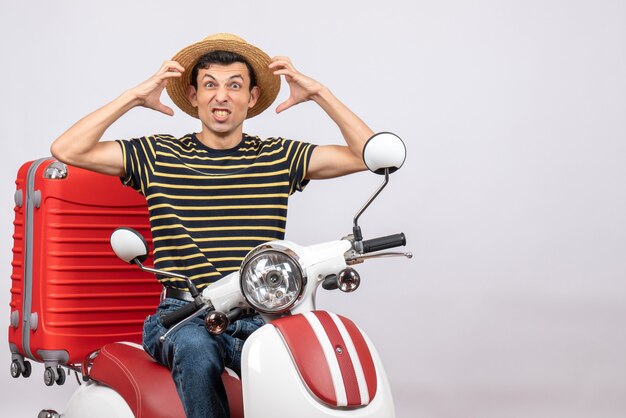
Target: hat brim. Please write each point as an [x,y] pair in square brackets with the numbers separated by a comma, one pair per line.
[268,83]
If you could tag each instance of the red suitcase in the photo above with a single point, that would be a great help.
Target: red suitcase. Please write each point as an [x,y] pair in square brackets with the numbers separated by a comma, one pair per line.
[70,295]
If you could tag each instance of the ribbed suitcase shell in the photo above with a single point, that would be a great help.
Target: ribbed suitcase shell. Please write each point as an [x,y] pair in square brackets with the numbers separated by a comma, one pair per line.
[70,294]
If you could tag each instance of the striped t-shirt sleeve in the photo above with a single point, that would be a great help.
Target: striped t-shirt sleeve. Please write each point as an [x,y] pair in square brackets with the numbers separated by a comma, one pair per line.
[139,157]
[298,158]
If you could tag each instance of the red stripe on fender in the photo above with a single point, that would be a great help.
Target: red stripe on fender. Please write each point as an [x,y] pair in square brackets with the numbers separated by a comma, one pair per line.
[308,356]
[367,363]
[345,362]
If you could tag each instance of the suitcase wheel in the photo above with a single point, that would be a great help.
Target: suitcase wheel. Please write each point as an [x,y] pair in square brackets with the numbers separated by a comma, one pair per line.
[52,376]
[61,377]
[27,369]
[48,376]
[17,369]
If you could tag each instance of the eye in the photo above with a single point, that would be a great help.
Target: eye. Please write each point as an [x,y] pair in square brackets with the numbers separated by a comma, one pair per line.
[209,85]
[235,86]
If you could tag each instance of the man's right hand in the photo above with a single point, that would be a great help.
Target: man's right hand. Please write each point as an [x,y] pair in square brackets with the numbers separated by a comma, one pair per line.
[148,93]
[80,145]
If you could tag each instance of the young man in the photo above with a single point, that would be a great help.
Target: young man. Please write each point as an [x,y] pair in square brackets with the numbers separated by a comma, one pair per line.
[216,194]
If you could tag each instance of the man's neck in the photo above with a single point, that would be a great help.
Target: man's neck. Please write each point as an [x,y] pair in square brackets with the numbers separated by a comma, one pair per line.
[216,141]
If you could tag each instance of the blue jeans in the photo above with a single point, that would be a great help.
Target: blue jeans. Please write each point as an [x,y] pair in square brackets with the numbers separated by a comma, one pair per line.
[197,358]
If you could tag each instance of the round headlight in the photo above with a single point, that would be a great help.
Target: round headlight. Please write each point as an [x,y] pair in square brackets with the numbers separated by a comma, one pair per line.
[271,280]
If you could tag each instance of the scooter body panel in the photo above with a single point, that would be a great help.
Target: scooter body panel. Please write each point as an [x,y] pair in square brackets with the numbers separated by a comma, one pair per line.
[274,386]
[95,400]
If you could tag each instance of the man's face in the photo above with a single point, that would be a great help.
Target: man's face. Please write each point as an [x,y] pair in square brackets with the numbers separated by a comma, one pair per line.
[223,97]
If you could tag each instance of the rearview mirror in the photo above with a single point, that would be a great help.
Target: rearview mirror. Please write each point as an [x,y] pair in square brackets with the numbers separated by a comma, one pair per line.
[383,154]
[383,151]
[129,245]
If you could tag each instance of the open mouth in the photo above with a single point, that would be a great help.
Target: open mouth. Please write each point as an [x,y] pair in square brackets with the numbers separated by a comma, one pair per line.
[221,113]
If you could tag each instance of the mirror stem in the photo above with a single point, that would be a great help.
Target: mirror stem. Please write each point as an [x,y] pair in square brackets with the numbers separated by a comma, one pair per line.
[356,229]
[192,288]
[371,199]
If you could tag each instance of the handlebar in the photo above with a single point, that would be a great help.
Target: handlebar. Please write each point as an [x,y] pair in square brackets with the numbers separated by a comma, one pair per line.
[178,315]
[383,243]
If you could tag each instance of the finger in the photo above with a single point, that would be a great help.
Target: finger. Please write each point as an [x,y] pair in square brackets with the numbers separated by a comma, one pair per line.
[167,75]
[172,73]
[275,64]
[276,58]
[285,72]
[177,64]
[164,109]
[281,62]
[285,105]
[281,58]
[279,65]
[171,65]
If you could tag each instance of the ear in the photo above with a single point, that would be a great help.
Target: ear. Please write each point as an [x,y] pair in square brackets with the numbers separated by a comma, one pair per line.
[254,96]
[192,96]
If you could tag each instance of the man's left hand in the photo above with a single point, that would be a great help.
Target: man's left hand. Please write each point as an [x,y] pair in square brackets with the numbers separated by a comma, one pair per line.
[301,87]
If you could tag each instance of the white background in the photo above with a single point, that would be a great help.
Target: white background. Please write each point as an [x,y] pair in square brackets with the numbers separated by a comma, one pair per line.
[512,196]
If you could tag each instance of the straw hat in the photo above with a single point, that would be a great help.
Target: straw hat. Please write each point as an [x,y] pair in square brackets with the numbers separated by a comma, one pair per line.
[259,60]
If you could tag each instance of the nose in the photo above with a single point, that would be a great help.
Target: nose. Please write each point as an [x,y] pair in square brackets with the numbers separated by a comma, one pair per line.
[221,95]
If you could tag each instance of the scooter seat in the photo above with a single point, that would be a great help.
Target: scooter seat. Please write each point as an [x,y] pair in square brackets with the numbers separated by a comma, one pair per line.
[146,386]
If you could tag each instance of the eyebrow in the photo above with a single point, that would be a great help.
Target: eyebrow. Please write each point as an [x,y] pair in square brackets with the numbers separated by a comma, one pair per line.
[206,75]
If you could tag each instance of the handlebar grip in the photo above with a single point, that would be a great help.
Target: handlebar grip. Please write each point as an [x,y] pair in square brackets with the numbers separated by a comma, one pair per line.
[180,314]
[383,243]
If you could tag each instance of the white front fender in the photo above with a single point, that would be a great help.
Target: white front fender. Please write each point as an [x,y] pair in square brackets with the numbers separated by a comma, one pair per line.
[272,385]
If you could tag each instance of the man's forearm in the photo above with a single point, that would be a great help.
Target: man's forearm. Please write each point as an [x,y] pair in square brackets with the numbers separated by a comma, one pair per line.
[353,129]
[79,140]
[80,145]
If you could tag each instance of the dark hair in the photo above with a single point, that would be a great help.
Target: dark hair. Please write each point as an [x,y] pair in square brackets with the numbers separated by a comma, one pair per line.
[222,58]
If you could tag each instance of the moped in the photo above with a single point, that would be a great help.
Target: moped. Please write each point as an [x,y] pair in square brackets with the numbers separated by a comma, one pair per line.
[303,362]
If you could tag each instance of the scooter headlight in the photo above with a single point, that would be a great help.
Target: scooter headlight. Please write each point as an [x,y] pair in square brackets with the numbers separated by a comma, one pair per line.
[271,280]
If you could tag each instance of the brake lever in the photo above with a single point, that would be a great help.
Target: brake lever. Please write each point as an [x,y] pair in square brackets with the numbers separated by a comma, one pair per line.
[389,254]
[189,318]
